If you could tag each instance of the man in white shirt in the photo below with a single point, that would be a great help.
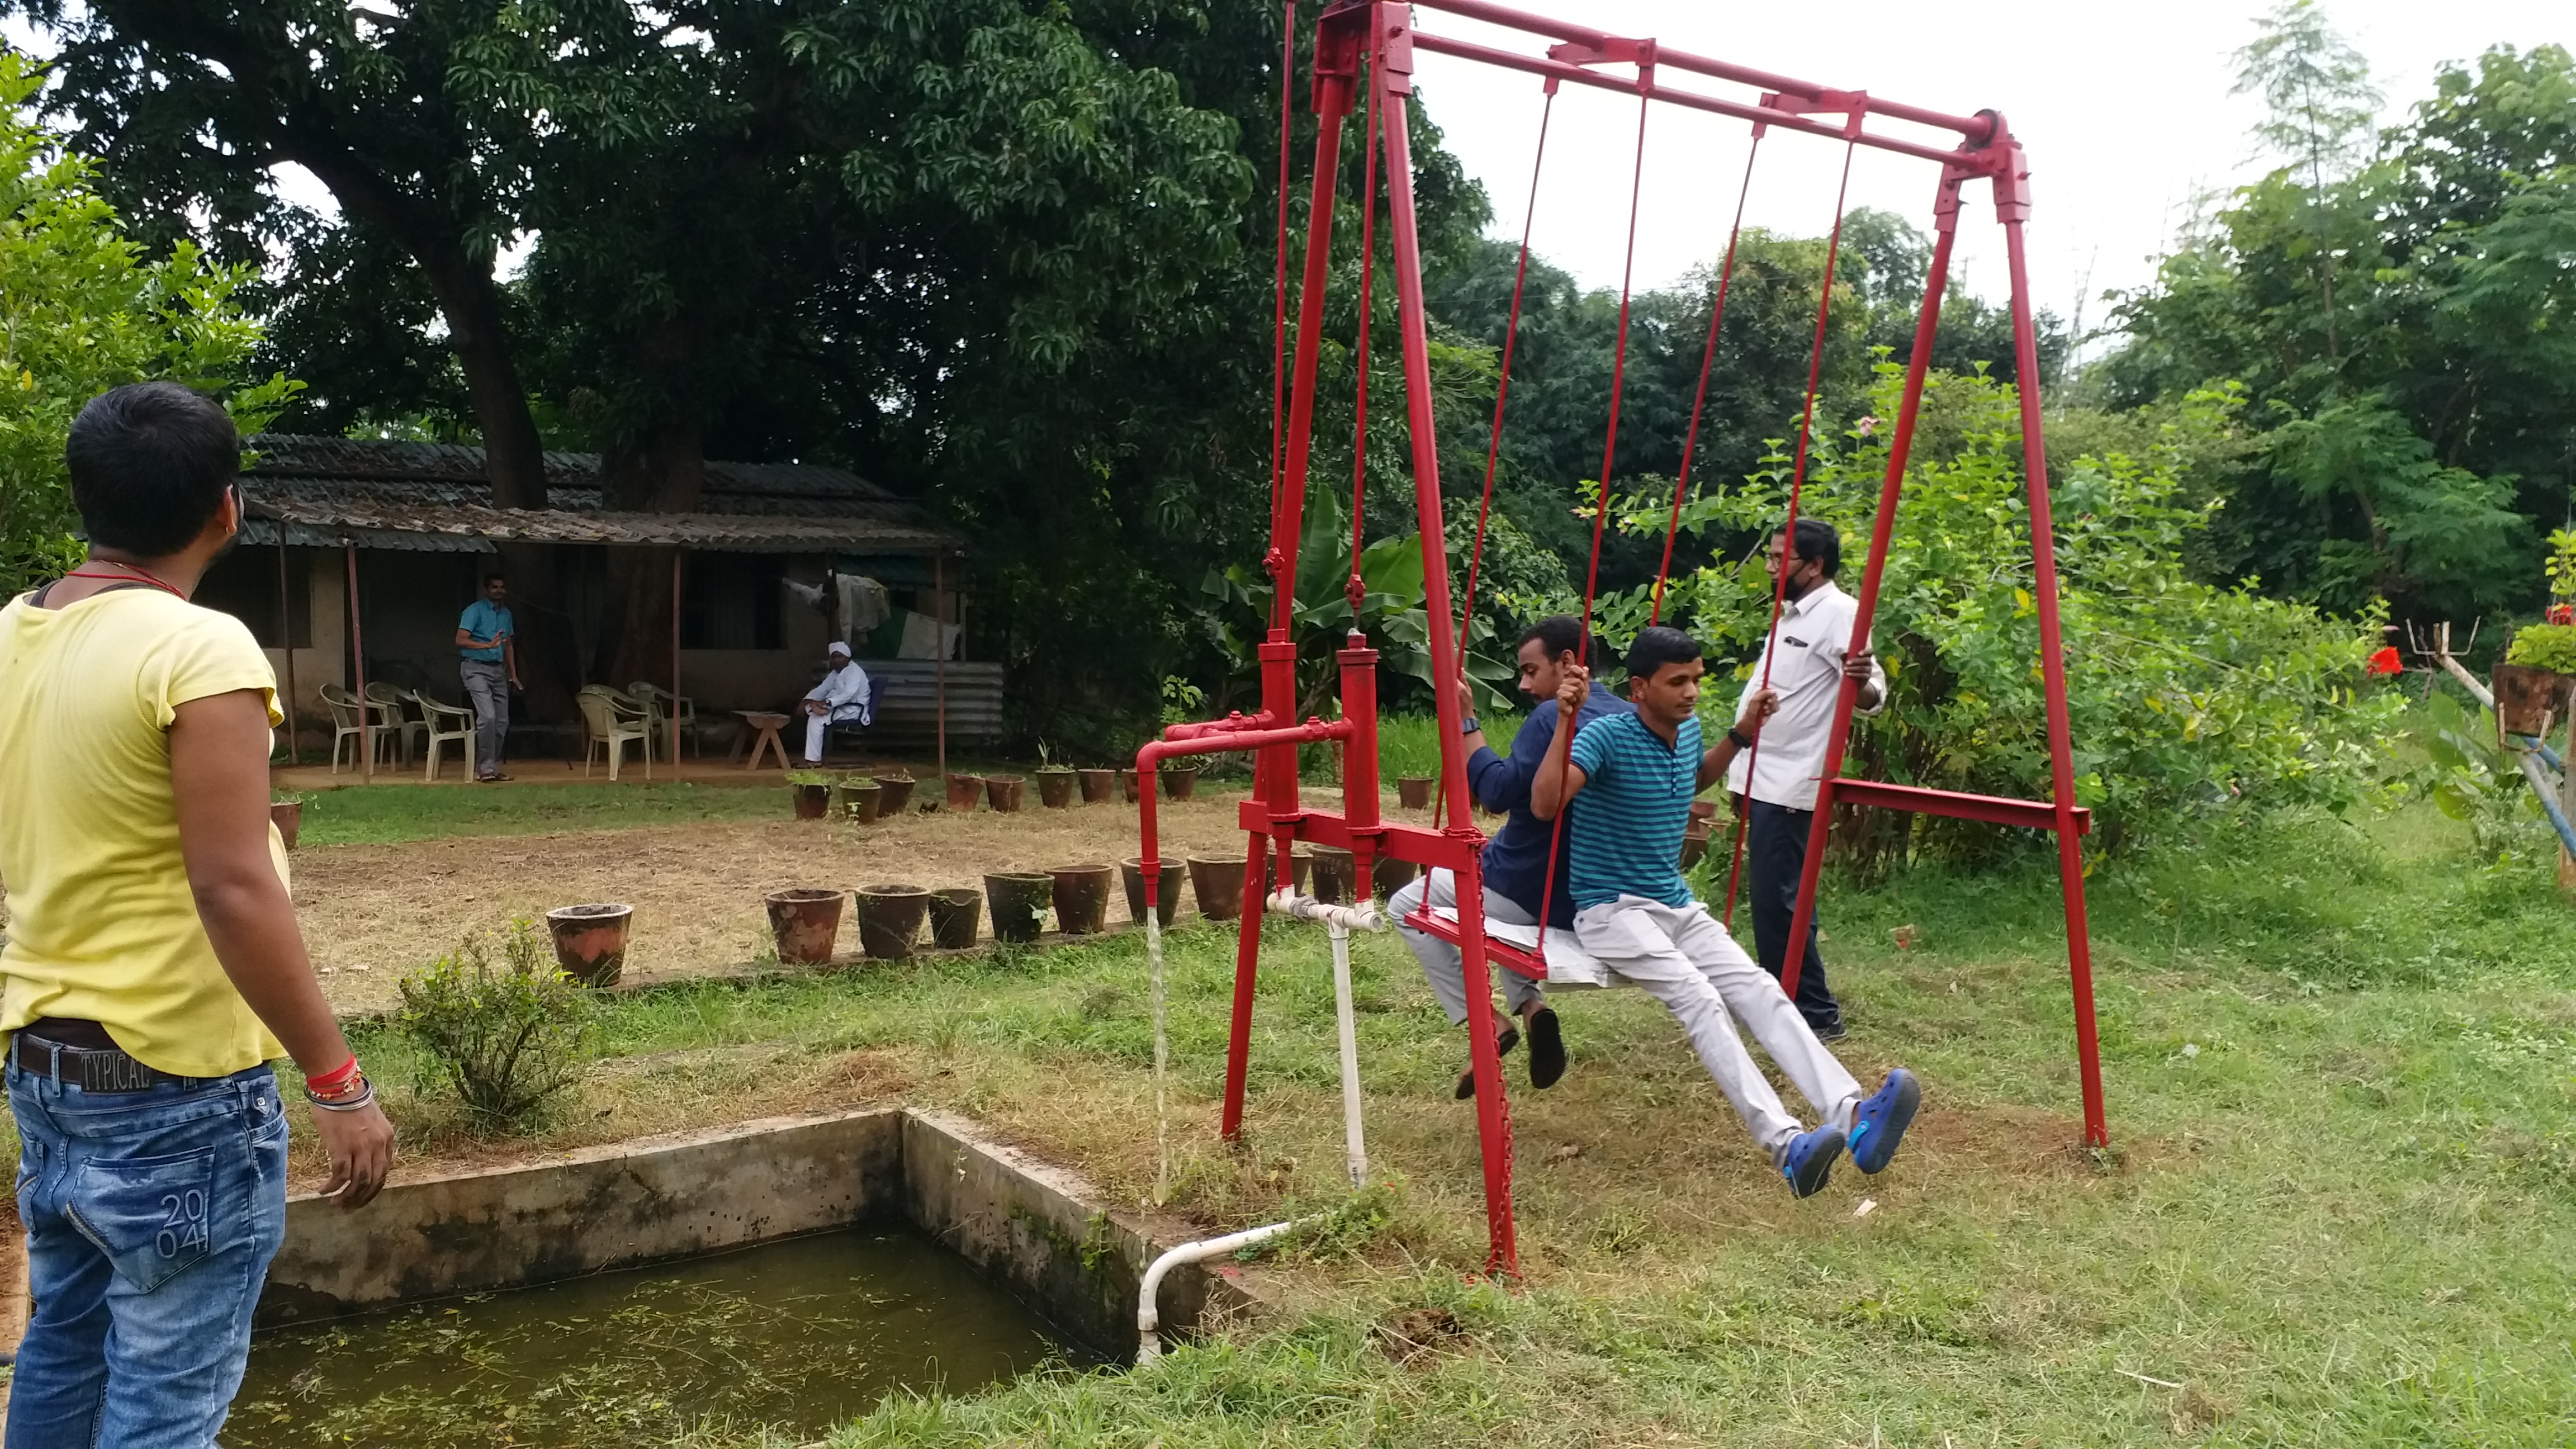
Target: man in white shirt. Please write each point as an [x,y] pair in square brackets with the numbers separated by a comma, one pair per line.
[1805,661]
[842,698]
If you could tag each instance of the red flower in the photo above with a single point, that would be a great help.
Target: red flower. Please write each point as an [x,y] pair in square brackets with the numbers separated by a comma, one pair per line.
[2385,662]
[2562,614]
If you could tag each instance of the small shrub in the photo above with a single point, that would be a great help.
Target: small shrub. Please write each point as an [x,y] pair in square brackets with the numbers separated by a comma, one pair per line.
[2544,646]
[506,1037]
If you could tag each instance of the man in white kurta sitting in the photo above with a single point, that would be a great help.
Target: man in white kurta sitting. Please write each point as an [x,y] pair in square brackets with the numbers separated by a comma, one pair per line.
[842,698]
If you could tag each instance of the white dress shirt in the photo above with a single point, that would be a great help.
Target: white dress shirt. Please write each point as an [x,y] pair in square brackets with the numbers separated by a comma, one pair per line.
[1813,638]
[844,692]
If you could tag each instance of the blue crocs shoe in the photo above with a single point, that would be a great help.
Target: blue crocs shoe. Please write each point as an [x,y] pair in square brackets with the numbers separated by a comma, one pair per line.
[1811,1160]
[1881,1121]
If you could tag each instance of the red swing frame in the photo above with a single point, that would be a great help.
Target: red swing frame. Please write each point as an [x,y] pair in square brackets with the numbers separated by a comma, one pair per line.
[1274,818]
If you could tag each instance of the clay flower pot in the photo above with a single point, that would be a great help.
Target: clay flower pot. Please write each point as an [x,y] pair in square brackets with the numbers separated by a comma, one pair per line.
[812,798]
[1167,890]
[859,798]
[1694,842]
[1081,899]
[1003,792]
[964,791]
[1055,786]
[1180,781]
[1301,864]
[952,917]
[1703,811]
[1391,875]
[890,919]
[1218,885]
[590,941]
[1337,876]
[894,793]
[805,922]
[1128,787]
[1019,903]
[2527,700]
[288,817]
[1414,791]
[1098,786]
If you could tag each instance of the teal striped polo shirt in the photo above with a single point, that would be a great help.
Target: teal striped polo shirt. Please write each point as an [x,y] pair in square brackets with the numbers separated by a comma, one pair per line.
[1627,839]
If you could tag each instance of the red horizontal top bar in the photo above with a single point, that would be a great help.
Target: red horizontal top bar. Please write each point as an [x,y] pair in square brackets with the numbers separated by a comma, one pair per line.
[1922,800]
[1979,129]
[1760,115]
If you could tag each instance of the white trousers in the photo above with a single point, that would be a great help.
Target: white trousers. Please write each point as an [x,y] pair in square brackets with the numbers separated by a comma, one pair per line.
[1442,964]
[1683,958]
[819,725]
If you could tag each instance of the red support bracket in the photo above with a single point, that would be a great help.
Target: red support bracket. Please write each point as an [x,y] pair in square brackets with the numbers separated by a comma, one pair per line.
[1993,809]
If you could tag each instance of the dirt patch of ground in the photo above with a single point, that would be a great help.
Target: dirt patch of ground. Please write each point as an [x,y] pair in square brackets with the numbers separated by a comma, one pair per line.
[370,912]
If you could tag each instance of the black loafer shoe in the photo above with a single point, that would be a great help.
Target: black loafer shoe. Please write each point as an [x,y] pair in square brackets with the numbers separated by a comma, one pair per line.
[1503,1044]
[1547,1049]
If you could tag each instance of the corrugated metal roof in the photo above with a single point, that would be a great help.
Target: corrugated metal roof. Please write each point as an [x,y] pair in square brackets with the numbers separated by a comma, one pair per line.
[432,496]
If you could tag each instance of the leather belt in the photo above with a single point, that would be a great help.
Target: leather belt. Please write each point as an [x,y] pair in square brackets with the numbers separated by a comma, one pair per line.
[92,1069]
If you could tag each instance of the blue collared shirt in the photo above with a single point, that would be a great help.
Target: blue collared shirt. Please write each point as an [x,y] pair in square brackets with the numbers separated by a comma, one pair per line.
[1515,860]
[486,620]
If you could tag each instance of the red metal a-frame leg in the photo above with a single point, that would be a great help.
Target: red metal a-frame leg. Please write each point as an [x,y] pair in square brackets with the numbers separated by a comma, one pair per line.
[2060,815]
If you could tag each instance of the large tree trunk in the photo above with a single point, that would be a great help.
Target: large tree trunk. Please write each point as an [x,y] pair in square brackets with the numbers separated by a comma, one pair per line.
[662,471]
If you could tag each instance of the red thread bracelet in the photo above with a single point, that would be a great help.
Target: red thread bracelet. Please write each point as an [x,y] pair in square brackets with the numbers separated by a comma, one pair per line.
[333,1080]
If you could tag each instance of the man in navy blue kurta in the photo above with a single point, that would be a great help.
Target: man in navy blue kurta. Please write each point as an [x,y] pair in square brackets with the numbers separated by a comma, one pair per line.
[1515,861]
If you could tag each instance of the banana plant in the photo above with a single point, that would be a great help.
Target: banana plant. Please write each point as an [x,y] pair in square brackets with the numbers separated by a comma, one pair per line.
[1390,612]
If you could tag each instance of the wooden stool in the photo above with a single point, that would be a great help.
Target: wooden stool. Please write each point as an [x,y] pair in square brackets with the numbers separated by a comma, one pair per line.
[761,729]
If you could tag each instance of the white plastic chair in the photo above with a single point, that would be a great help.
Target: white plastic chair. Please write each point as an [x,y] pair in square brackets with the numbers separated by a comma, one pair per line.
[445,722]
[356,723]
[611,722]
[388,702]
[658,701]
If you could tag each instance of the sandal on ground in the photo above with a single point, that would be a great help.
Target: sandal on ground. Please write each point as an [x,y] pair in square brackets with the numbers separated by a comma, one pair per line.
[1507,1039]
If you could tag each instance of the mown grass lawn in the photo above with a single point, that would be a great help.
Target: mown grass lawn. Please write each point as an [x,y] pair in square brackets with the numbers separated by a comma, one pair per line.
[2340,1207]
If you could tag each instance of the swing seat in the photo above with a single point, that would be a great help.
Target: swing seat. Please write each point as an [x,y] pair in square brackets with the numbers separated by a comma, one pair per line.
[1567,964]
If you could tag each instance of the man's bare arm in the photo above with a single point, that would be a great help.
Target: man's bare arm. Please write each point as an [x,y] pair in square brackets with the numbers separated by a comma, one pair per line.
[219,777]
[1559,779]
[1758,706]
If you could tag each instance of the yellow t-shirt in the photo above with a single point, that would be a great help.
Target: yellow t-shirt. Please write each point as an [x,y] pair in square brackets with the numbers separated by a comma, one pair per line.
[102,926]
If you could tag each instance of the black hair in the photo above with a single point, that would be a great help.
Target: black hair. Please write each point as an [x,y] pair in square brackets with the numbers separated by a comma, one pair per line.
[1820,541]
[1560,635]
[495,577]
[1659,645]
[149,465]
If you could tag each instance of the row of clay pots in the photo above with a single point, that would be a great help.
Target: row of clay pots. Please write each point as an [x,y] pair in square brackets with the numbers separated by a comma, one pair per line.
[860,797]
[805,921]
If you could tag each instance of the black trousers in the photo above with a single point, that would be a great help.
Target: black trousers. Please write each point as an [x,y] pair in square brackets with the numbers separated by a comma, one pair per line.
[1775,847]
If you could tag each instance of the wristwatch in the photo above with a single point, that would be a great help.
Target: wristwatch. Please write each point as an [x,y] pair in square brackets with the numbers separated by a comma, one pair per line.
[1737,736]
[1468,726]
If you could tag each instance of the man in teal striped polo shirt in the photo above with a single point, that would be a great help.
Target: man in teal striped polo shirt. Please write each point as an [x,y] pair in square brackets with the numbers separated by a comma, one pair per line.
[1635,913]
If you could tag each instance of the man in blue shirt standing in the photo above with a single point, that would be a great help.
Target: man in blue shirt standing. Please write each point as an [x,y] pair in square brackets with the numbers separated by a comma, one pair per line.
[488,638]
[1515,861]
[1635,913]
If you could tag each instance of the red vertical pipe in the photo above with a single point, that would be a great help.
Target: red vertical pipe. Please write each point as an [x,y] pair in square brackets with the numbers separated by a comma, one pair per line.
[1900,445]
[1279,293]
[1333,48]
[1393,75]
[286,639]
[2012,203]
[675,669]
[939,647]
[358,656]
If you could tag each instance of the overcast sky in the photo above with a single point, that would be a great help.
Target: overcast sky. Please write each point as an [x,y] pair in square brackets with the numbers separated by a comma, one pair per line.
[2123,109]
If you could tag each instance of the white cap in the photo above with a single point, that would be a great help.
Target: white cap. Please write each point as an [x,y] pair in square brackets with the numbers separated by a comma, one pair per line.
[840,647]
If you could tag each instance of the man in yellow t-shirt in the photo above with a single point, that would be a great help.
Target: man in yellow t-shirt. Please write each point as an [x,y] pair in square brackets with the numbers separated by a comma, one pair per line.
[153,965]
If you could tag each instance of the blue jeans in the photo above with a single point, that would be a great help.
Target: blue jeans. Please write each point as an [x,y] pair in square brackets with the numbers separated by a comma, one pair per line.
[150,1220]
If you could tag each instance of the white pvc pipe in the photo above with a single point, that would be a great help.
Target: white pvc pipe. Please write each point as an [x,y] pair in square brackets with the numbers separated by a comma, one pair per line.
[1363,917]
[1354,1147]
[1149,1343]
[1162,1061]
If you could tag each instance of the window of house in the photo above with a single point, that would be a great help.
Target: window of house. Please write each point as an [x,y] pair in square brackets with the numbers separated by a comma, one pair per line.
[243,583]
[731,601]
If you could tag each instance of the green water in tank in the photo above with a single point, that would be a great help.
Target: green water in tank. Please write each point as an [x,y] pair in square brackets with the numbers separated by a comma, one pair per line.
[793,1336]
